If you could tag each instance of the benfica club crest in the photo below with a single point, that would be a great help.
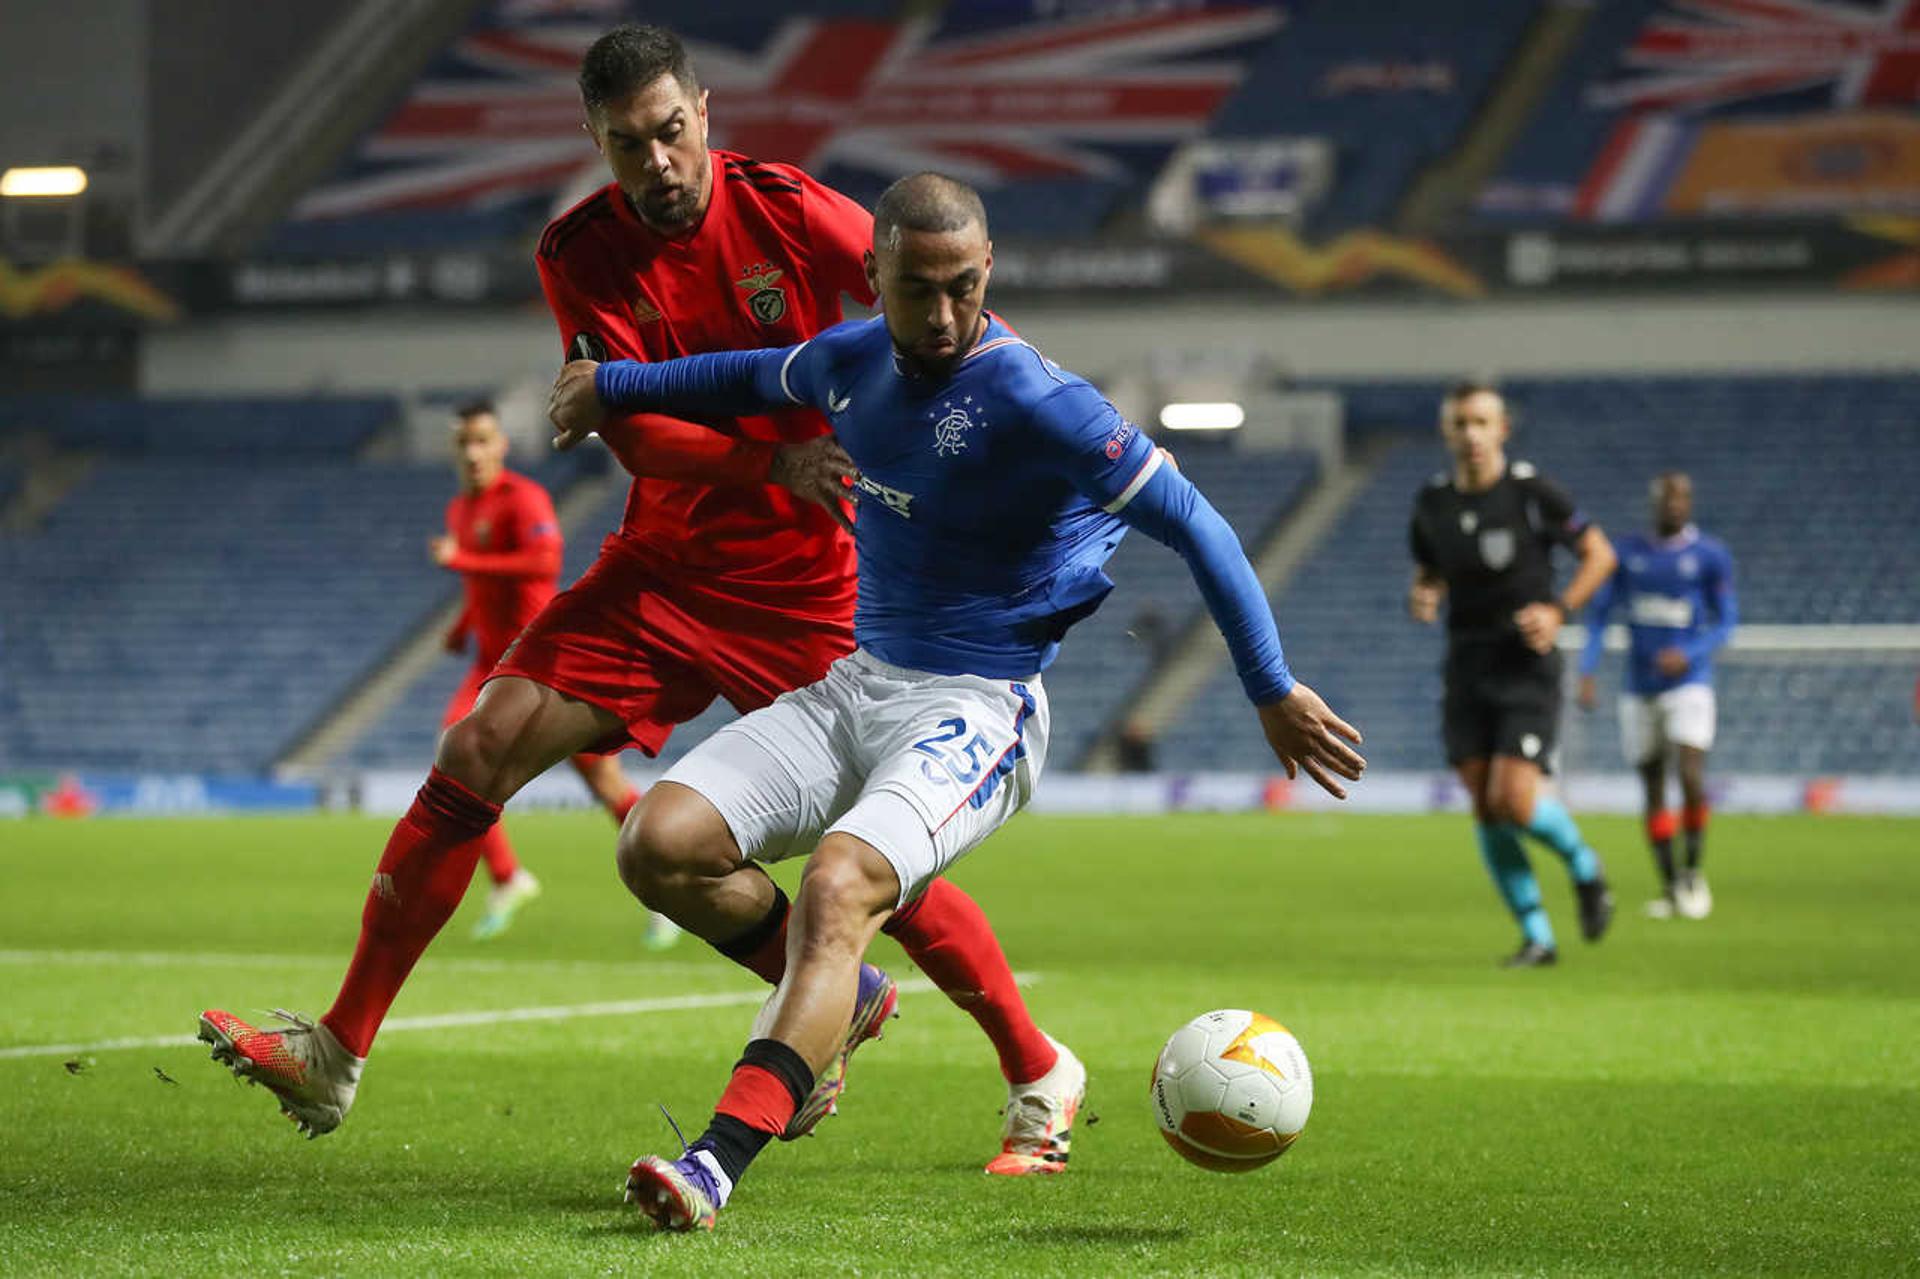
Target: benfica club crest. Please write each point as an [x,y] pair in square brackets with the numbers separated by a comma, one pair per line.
[765,298]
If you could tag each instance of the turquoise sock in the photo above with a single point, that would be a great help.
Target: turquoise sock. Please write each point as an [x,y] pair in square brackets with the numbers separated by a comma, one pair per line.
[1507,863]
[1553,826]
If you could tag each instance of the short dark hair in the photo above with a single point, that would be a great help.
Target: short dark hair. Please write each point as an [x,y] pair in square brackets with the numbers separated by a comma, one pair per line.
[479,406]
[629,58]
[1473,386]
[927,202]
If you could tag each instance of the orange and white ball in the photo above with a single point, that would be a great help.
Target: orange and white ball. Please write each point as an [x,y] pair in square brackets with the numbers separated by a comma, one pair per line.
[1231,1090]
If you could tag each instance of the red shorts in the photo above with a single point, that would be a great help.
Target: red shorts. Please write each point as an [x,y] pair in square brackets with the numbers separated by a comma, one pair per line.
[630,639]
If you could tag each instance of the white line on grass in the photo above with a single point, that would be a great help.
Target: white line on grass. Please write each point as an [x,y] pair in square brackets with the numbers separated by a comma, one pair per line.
[243,959]
[486,1017]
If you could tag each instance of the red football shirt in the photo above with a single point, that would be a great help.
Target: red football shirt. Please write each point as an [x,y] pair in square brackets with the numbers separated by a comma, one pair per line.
[765,267]
[509,554]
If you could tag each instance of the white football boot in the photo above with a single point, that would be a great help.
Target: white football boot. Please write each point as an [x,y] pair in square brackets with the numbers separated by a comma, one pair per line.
[504,902]
[302,1064]
[1692,898]
[1040,1115]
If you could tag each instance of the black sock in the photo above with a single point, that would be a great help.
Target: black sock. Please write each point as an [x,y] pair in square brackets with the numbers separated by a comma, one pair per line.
[734,1143]
[1695,841]
[1663,858]
[741,948]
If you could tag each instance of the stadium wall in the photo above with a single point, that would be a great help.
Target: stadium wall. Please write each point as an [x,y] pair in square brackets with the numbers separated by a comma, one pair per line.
[409,351]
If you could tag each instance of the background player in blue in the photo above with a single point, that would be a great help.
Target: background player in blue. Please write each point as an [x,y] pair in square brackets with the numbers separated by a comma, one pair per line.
[1482,538]
[1677,590]
[993,488]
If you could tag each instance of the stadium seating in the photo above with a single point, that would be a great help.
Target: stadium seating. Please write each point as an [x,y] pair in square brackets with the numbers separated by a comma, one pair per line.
[404,736]
[1105,657]
[1393,86]
[202,612]
[1390,85]
[1819,520]
[221,578]
[1103,660]
[263,427]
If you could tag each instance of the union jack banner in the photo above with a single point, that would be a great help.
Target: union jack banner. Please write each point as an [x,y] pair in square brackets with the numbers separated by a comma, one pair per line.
[992,94]
[1701,55]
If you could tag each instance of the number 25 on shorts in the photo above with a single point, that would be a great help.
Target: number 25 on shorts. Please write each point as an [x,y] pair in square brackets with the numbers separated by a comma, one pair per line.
[956,762]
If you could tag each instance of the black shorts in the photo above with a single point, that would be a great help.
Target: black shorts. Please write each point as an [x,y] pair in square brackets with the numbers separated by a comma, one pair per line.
[1502,699]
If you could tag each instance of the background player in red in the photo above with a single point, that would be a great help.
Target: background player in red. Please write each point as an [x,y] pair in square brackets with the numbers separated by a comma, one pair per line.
[504,540]
[730,576]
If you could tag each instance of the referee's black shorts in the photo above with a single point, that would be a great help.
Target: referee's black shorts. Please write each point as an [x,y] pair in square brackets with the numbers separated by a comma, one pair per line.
[1502,699]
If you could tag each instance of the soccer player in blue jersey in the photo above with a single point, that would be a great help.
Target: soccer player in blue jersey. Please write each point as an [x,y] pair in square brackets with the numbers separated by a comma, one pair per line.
[993,487]
[1677,590]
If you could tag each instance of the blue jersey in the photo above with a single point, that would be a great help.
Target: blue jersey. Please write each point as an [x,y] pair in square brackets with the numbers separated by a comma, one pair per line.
[990,499]
[1676,592]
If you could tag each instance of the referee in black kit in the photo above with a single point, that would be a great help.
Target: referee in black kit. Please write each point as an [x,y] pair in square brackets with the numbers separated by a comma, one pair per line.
[1482,537]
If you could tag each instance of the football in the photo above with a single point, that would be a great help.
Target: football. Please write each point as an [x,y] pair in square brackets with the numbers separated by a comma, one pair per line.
[1231,1090]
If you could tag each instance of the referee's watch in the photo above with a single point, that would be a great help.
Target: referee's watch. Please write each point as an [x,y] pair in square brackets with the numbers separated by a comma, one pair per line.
[1566,614]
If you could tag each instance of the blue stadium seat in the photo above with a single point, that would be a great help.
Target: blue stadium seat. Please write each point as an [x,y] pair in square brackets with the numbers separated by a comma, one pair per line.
[266,426]
[1807,479]
[1105,657]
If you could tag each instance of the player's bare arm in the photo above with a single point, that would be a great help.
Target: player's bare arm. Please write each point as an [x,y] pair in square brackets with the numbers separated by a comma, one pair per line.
[573,406]
[1540,623]
[818,470]
[1424,594]
[1306,736]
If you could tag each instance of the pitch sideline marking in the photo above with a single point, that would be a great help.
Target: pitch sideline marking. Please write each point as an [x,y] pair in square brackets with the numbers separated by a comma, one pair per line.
[238,959]
[490,1017]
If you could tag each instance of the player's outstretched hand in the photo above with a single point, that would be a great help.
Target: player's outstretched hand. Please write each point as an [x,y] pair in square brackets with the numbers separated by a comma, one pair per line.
[574,406]
[1306,736]
[1539,626]
[818,470]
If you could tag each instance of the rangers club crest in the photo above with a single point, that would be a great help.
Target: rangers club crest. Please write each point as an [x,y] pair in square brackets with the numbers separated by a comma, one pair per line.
[1496,547]
[765,298]
[951,422]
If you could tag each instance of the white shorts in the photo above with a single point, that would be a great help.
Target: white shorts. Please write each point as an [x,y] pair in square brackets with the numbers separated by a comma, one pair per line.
[923,767]
[1682,716]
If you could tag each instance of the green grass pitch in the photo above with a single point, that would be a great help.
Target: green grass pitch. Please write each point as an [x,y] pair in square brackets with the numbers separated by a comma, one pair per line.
[1733,1096]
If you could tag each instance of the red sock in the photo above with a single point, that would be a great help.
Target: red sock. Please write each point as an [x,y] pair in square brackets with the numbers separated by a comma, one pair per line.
[421,878]
[624,805]
[1694,817]
[948,936]
[1660,825]
[498,852]
[762,949]
[757,1098]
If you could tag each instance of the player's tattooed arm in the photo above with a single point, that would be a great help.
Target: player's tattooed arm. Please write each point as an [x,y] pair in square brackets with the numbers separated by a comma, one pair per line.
[817,470]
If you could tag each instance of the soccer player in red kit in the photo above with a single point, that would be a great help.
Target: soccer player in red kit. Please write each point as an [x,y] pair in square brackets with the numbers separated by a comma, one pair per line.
[503,538]
[731,576]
